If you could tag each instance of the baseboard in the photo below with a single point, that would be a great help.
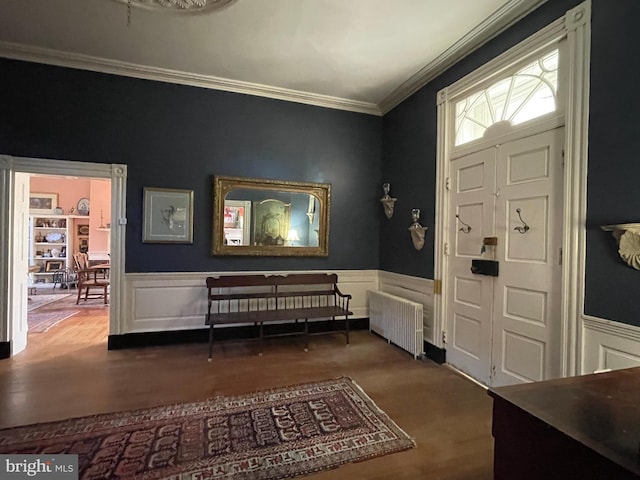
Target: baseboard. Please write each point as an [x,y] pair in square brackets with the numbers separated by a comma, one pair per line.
[5,350]
[437,354]
[201,335]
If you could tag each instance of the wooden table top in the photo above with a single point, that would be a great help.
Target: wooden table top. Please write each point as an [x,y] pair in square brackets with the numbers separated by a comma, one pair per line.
[601,411]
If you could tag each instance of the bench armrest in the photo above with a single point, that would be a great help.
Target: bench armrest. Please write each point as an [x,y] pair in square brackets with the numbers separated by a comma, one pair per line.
[343,295]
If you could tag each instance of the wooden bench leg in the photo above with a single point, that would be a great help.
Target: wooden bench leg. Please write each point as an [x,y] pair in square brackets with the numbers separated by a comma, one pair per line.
[210,341]
[261,339]
[346,328]
[306,335]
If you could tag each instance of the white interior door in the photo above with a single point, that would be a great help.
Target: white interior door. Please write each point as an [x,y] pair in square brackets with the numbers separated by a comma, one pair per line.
[19,274]
[470,297]
[526,322]
[506,329]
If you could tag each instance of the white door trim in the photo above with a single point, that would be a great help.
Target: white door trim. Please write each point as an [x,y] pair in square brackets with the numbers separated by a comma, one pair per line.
[575,27]
[117,173]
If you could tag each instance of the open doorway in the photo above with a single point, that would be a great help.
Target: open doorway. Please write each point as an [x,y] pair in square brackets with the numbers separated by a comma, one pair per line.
[69,218]
[15,173]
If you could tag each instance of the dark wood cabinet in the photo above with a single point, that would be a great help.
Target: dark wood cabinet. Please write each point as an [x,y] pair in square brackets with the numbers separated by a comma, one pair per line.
[585,427]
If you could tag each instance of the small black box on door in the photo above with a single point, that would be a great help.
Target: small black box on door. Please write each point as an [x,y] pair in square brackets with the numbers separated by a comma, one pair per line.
[484,267]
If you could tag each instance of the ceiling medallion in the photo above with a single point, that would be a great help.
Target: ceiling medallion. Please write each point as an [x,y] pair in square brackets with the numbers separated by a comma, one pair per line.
[181,6]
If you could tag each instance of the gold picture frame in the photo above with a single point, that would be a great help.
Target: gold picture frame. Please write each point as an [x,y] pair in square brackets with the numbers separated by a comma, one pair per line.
[53,265]
[304,227]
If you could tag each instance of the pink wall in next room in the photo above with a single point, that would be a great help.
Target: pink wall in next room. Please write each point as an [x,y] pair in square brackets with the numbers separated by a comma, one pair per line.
[69,191]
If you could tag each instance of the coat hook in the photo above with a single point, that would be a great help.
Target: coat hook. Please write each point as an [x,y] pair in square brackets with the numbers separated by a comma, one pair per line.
[466,228]
[520,229]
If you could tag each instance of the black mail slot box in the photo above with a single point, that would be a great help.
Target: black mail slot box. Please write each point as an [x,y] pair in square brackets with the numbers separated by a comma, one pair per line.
[485,267]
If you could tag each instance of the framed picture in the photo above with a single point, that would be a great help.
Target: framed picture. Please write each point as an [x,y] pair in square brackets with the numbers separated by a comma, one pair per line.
[43,202]
[83,229]
[53,265]
[167,216]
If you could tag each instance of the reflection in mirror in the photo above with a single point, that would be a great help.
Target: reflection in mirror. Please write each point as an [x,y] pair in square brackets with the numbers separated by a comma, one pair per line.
[269,217]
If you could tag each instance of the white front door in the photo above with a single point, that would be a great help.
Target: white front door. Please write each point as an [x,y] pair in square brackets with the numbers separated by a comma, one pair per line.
[470,297]
[19,273]
[506,329]
[526,322]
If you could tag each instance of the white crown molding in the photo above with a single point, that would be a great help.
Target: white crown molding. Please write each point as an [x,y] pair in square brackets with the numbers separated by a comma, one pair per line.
[499,21]
[103,65]
[493,25]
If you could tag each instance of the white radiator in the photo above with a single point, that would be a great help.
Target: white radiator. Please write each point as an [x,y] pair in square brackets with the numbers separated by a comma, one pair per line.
[398,320]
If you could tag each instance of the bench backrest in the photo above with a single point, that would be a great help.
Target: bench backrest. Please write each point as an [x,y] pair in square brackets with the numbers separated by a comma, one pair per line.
[230,281]
[265,292]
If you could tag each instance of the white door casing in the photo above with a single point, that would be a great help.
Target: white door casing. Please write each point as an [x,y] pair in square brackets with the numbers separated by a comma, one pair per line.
[10,168]
[574,28]
[19,265]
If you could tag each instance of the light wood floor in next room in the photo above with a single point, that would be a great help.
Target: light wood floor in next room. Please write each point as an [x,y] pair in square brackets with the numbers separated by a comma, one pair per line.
[68,372]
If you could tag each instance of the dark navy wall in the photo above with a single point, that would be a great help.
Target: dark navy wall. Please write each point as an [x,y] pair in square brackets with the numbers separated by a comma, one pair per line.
[612,288]
[409,148]
[175,136]
[409,153]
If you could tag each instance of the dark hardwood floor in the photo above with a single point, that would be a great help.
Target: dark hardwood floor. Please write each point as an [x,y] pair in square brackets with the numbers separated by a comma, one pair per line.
[68,372]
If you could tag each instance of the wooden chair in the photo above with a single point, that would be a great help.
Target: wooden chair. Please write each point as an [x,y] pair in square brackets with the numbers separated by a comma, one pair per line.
[80,261]
[89,279]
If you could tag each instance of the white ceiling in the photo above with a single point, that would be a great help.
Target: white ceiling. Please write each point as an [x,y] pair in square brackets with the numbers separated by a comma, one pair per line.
[360,55]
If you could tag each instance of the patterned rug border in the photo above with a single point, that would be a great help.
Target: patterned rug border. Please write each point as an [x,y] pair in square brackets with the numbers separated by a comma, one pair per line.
[224,403]
[42,300]
[42,322]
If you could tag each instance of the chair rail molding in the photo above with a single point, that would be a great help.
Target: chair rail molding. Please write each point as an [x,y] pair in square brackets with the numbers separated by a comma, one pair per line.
[608,345]
[175,301]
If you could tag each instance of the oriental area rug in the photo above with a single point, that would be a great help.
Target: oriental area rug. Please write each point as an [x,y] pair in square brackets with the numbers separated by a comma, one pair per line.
[274,434]
[41,322]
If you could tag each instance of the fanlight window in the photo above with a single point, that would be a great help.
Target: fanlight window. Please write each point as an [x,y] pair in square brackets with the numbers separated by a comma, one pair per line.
[529,93]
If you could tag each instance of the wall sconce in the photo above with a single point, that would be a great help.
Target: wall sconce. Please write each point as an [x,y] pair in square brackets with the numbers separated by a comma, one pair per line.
[416,230]
[387,202]
[628,237]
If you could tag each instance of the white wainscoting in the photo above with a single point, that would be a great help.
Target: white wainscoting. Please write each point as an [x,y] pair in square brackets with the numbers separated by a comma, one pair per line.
[416,289]
[609,345]
[158,302]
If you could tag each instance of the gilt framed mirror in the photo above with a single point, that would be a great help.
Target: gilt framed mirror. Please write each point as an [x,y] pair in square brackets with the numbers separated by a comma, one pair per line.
[264,217]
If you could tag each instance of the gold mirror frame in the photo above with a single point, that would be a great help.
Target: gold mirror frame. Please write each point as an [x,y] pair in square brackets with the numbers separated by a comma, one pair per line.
[222,185]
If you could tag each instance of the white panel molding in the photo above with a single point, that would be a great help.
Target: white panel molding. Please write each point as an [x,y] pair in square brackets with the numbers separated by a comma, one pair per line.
[416,289]
[510,13]
[59,58]
[178,301]
[608,345]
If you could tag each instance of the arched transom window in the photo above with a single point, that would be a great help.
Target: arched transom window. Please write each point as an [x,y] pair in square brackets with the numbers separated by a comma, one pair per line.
[530,93]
